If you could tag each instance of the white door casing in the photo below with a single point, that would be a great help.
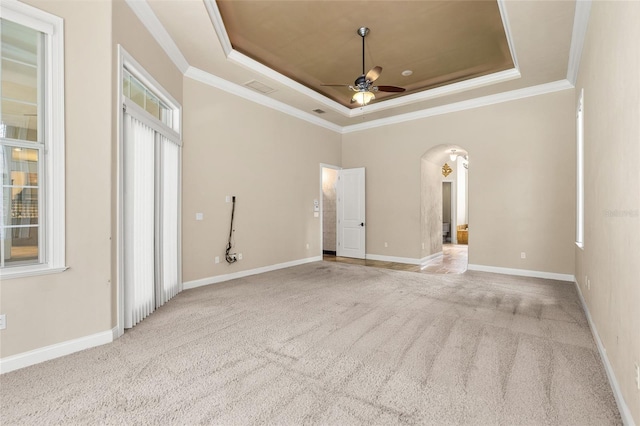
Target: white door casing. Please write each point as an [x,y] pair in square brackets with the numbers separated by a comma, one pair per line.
[351,213]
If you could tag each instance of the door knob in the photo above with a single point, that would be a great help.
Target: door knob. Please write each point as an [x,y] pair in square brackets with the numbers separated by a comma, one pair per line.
[361,223]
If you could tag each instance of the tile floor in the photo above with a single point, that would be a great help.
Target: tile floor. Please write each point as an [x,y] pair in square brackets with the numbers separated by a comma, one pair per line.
[453,261]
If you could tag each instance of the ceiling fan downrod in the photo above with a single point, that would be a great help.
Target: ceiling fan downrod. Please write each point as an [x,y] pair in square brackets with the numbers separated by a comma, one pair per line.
[362,32]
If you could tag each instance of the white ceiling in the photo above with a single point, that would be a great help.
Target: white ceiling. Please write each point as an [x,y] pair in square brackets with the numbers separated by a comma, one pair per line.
[545,44]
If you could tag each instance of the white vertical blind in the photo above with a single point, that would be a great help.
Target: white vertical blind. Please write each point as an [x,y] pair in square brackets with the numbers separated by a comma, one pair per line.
[169,232]
[139,223]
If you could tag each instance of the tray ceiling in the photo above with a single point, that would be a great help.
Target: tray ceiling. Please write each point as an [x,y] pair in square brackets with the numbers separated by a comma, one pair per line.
[284,50]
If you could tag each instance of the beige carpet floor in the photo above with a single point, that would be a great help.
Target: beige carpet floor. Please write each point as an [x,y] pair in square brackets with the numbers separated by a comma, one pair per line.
[336,344]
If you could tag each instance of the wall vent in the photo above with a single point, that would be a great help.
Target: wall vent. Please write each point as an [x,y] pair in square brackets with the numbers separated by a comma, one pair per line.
[259,87]
[319,111]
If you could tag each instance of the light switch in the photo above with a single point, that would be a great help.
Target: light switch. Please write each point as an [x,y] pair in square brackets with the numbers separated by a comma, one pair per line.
[199,216]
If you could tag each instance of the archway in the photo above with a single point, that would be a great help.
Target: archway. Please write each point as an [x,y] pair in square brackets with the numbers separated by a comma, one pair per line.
[444,239]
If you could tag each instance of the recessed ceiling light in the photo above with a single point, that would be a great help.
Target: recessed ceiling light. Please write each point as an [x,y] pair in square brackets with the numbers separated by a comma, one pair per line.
[407,73]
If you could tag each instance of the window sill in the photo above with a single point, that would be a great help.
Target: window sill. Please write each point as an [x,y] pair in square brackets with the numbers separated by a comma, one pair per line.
[8,274]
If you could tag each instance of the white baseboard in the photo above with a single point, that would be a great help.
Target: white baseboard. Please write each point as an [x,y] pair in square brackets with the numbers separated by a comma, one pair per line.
[240,274]
[408,260]
[425,260]
[50,352]
[522,272]
[625,413]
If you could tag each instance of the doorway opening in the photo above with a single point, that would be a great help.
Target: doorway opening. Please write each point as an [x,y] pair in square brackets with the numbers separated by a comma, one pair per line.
[444,209]
[328,207]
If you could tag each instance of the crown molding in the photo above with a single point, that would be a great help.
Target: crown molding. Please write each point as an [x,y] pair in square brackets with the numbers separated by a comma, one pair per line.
[507,32]
[580,24]
[151,22]
[541,89]
[255,66]
[218,25]
[248,94]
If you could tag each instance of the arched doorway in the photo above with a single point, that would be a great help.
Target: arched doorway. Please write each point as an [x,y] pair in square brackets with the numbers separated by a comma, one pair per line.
[444,209]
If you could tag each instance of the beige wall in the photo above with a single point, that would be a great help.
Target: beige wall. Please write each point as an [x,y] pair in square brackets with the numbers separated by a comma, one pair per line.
[270,161]
[609,73]
[50,309]
[521,184]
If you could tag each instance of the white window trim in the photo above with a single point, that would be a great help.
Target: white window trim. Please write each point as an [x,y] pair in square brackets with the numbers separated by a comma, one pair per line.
[54,185]
[580,172]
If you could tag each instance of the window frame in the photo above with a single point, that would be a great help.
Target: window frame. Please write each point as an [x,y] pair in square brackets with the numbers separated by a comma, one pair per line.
[52,144]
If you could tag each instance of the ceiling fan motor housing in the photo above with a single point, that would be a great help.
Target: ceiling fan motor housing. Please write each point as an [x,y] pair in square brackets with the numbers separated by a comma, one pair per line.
[362,83]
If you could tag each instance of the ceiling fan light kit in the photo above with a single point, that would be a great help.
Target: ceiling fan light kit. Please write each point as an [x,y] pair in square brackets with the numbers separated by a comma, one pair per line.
[363,98]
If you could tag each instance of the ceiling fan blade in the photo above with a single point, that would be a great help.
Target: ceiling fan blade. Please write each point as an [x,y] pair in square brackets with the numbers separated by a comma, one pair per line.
[390,89]
[373,74]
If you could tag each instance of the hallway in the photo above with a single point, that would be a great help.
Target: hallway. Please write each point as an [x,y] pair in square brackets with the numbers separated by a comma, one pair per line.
[454,260]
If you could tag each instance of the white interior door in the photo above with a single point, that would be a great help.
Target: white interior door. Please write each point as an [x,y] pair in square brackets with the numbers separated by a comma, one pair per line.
[351,213]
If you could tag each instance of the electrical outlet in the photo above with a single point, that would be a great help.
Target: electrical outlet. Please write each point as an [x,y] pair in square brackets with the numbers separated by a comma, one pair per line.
[3,322]
[227,199]
[217,260]
[588,284]
[307,246]
[422,246]
[523,255]
[637,376]
[239,256]
[199,216]
[385,244]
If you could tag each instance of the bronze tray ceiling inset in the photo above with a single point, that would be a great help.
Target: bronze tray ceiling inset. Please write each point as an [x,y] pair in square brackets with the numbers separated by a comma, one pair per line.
[315,42]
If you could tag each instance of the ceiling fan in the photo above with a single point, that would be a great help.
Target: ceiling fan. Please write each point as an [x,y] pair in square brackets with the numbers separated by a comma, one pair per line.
[363,86]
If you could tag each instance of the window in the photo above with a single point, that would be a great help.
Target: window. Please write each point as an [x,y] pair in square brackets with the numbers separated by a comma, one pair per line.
[31,142]
[580,172]
[134,90]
